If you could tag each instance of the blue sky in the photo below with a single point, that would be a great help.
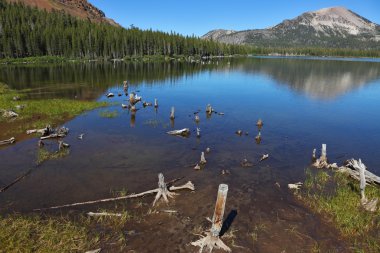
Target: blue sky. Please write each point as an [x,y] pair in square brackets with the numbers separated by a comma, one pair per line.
[200,16]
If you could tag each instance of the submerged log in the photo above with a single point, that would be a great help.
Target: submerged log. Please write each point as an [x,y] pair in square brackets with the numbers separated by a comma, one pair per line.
[163,190]
[211,239]
[185,132]
[3,189]
[9,141]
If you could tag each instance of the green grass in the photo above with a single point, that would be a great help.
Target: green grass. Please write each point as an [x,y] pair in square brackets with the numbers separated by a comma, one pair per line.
[35,234]
[38,113]
[44,155]
[108,114]
[337,197]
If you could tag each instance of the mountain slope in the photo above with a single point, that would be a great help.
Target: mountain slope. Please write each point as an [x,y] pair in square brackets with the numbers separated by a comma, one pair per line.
[335,27]
[78,8]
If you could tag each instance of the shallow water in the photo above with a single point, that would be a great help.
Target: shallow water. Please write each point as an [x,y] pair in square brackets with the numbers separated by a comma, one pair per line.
[303,103]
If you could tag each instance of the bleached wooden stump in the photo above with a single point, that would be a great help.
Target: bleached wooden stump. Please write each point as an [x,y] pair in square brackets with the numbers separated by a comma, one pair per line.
[211,239]
[172,117]
[9,141]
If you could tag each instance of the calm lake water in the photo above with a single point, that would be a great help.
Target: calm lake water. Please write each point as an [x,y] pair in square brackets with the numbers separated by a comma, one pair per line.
[303,103]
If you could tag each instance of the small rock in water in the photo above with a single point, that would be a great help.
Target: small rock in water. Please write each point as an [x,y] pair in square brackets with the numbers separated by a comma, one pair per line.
[226,172]
[80,137]
[208,150]
[110,95]
[239,132]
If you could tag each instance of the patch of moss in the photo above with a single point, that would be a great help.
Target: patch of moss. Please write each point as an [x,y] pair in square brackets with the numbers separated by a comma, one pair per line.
[337,196]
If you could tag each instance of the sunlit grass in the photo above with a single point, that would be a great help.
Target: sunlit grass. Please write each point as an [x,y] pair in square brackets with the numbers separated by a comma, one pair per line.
[45,155]
[42,111]
[34,234]
[337,197]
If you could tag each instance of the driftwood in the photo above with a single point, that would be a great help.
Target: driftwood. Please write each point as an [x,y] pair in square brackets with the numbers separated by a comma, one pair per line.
[43,131]
[352,167]
[125,106]
[52,136]
[80,137]
[163,190]
[3,189]
[185,132]
[197,167]
[62,145]
[110,95]
[263,157]
[295,186]
[208,150]
[211,239]
[259,124]
[134,99]
[9,141]
[203,159]
[9,113]
[145,104]
[94,251]
[104,214]
[239,132]
[322,161]
[245,163]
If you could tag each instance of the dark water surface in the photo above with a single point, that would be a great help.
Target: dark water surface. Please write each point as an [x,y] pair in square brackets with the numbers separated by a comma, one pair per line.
[303,103]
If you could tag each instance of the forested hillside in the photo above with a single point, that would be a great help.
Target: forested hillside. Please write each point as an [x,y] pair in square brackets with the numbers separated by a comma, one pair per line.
[27,31]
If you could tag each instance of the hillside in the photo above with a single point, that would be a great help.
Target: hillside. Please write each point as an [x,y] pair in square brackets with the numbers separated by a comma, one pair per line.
[77,8]
[335,27]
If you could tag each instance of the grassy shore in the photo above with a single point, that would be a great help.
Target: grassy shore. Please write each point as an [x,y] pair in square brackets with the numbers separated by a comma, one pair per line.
[337,197]
[38,113]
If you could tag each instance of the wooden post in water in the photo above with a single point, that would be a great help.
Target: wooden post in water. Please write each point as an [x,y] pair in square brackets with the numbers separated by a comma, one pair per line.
[212,239]
[155,103]
[217,219]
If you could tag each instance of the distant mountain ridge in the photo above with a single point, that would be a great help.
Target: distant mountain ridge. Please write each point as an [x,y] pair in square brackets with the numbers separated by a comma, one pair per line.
[335,27]
[78,8]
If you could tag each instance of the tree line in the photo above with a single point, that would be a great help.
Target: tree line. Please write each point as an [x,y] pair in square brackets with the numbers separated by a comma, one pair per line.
[27,31]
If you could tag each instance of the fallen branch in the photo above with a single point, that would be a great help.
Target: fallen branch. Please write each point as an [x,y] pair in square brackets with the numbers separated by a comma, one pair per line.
[9,141]
[185,132]
[162,191]
[15,181]
[103,214]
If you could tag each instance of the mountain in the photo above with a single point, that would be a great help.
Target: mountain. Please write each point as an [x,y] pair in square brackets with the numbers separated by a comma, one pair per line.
[77,8]
[335,27]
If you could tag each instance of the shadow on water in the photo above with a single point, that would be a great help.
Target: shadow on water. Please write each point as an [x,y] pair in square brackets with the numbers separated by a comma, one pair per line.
[228,222]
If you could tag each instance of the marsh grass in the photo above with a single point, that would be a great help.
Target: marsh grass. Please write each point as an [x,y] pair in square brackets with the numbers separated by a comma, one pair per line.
[40,112]
[337,196]
[44,155]
[108,114]
[36,234]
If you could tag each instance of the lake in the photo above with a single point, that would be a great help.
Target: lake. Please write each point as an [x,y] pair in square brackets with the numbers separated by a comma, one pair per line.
[303,103]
